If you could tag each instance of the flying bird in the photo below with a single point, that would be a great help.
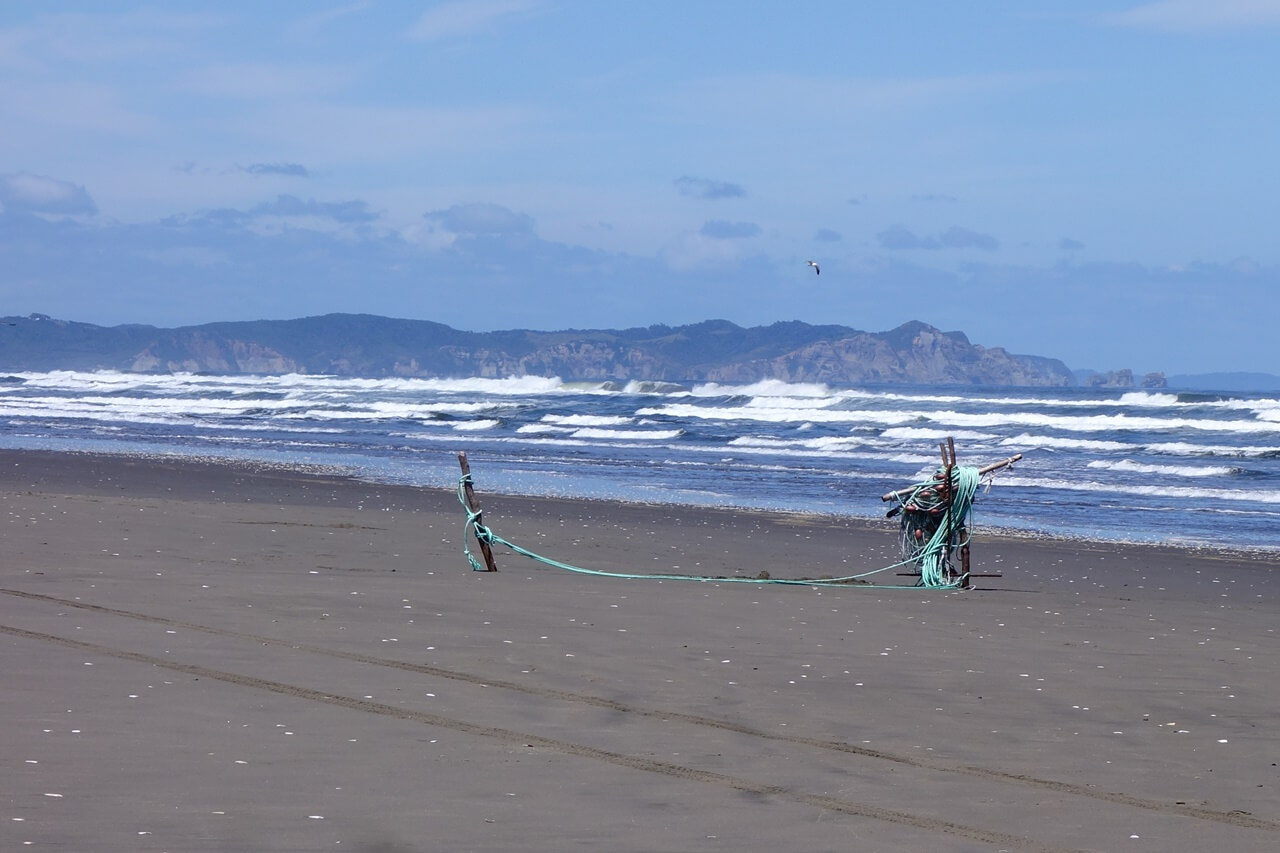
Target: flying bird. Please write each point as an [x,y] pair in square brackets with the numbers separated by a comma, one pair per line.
[814,264]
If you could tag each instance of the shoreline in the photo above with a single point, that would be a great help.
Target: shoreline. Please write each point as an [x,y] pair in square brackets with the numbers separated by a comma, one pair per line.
[201,656]
[1262,554]
[1202,479]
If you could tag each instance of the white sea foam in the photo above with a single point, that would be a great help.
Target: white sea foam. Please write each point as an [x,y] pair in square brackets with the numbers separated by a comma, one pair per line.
[628,434]
[1029,441]
[811,450]
[543,429]
[949,419]
[1131,467]
[760,413]
[1182,448]
[1136,399]
[1162,490]
[1148,398]
[827,444]
[1147,448]
[1101,423]
[587,420]
[475,426]
[179,383]
[764,388]
[935,434]
[167,409]
[519,385]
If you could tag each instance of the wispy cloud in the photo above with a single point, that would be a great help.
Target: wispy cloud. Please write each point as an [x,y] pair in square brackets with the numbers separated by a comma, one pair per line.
[186,256]
[339,211]
[222,218]
[463,17]
[777,97]
[258,219]
[719,229]
[481,218]
[826,235]
[899,237]
[324,18]
[60,110]
[290,170]
[97,38]
[956,237]
[27,193]
[1192,16]
[265,80]
[331,132]
[707,188]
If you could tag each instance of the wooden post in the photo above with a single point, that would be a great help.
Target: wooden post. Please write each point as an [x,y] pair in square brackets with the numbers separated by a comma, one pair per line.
[948,449]
[982,472]
[996,466]
[949,460]
[474,506]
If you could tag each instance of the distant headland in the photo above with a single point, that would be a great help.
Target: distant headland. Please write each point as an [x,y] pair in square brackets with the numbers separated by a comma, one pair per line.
[363,345]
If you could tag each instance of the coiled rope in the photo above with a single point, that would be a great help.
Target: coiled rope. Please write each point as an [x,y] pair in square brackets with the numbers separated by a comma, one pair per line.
[931,497]
[931,558]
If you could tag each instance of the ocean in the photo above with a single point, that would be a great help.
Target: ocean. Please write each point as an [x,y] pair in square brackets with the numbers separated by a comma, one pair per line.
[1188,469]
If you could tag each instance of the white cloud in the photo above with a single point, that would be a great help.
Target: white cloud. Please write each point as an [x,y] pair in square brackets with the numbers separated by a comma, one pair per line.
[265,80]
[808,100]
[706,188]
[39,194]
[697,252]
[319,20]
[721,229]
[333,133]
[13,53]
[102,38]
[461,17]
[1190,16]
[51,114]
[183,256]
[483,218]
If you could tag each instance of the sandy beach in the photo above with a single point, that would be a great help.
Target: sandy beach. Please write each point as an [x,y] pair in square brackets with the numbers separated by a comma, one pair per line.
[205,657]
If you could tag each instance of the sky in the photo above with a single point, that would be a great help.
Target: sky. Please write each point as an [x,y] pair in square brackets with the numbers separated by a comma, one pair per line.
[1094,180]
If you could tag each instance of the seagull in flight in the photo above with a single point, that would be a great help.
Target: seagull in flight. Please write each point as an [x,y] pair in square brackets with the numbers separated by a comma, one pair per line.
[814,264]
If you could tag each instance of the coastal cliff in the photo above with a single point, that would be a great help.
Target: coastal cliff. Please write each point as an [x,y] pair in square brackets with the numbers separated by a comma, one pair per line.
[369,346]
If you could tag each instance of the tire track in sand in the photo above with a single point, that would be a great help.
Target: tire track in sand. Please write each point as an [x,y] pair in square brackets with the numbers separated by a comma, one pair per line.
[1238,819]
[677,771]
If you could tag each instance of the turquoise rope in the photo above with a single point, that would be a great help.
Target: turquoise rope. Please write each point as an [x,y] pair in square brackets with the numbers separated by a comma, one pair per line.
[933,557]
[933,553]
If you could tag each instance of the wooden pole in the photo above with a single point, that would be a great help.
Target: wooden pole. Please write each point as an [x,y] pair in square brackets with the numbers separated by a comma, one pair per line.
[996,466]
[948,449]
[982,472]
[474,506]
[949,460]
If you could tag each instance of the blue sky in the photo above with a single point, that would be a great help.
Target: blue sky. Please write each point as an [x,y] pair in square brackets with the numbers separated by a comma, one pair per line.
[1091,181]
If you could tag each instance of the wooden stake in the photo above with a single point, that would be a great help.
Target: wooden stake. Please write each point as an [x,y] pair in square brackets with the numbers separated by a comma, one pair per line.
[949,460]
[994,466]
[474,505]
[948,450]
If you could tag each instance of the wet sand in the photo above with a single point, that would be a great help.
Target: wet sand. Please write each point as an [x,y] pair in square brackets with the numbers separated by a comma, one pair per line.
[201,657]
